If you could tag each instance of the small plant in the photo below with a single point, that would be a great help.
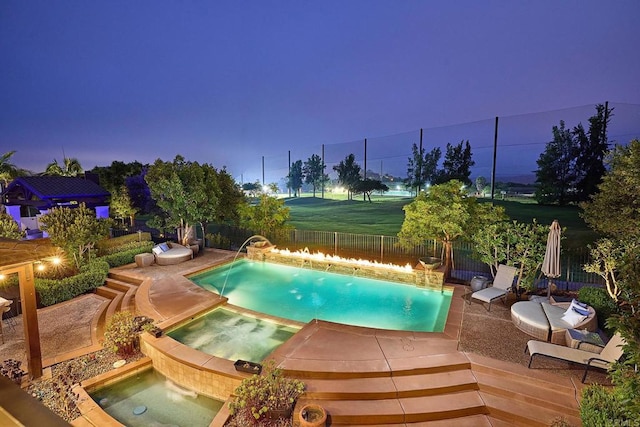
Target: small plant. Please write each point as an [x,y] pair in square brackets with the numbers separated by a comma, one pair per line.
[599,299]
[121,334]
[602,407]
[10,368]
[259,396]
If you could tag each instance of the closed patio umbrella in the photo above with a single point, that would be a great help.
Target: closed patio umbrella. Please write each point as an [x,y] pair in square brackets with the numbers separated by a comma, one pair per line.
[551,264]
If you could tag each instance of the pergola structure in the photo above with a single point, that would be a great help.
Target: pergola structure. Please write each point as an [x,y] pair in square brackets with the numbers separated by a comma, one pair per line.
[18,257]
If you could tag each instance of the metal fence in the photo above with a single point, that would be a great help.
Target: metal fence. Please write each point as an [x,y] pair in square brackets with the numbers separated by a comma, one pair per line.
[387,249]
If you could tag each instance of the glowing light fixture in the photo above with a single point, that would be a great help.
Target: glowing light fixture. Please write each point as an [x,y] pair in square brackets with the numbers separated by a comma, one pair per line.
[319,256]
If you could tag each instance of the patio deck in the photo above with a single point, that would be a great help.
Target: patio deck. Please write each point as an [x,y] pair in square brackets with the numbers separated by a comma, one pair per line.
[474,373]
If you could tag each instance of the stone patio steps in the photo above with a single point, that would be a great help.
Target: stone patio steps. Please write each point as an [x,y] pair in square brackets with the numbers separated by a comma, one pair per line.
[114,295]
[114,274]
[401,411]
[518,413]
[129,289]
[468,421]
[391,387]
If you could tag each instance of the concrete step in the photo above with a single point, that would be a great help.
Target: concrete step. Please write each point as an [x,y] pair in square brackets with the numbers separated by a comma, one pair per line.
[519,413]
[116,299]
[400,411]
[125,278]
[391,387]
[467,421]
[129,289]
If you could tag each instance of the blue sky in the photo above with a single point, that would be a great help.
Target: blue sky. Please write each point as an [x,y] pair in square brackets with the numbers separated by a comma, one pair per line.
[229,82]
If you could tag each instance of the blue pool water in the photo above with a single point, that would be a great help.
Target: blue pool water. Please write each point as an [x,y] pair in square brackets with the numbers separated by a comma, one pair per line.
[303,294]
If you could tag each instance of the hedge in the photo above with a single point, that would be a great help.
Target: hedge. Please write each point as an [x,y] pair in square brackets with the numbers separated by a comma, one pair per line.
[105,245]
[127,257]
[125,247]
[54,291]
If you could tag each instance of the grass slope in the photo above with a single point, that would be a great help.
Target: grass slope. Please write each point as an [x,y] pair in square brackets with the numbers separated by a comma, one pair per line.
[385,216]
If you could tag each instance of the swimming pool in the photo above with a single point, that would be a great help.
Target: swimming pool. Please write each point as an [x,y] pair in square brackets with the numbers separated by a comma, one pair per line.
[303,294]
[230,335]
[150,399]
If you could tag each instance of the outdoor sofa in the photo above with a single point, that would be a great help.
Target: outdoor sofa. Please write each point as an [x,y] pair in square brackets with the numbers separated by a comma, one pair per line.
[170,253]
[545,320]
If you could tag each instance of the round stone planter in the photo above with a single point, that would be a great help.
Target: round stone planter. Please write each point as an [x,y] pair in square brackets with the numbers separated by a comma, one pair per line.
[479,282]
[312,415]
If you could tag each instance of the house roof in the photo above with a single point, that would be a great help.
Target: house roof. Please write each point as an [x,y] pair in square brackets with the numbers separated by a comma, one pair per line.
[50,191]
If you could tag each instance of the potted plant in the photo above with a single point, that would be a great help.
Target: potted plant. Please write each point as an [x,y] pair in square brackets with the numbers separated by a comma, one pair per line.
[312,415]
[120,334]
[269,396]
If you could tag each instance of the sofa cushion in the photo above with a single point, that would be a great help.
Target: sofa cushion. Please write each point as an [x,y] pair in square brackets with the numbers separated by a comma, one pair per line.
[554,313]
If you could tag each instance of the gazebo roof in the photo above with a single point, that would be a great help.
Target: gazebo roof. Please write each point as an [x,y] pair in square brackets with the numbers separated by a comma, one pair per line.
[14,252]
[49,191]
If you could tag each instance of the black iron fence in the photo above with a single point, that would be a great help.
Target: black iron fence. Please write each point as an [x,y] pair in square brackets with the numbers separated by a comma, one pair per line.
[386,249]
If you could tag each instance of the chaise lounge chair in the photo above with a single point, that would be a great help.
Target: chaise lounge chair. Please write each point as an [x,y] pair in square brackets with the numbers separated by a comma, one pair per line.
[501,287]
[609,354]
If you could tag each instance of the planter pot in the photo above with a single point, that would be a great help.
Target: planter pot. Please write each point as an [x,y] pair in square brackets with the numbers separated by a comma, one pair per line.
[249,367]
[479,282]
[312,415]
[125,350]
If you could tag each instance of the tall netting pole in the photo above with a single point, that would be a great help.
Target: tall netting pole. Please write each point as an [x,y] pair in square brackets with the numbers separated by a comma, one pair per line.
[495,151]
[323,166]
[364,195]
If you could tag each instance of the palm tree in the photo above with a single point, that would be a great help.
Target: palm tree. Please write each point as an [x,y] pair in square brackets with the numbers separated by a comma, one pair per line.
[71,167]
[9,171]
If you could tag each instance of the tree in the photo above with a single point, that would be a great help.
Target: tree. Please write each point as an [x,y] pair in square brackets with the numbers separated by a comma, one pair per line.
[186,193]
[481,183]
[313,171]
[614,210]
[294,178]
[122,206]
[9,227]
[414,169]
[269,216]
[139,192]
[70,167]
[512,243]
[348,173]
[445,213]
[113,177]
[75,230]
[593,147]
[252,188]
[457,164]
[556,174]
[422,168]
[230,198]
[9,171]
[273,188]
[368,186]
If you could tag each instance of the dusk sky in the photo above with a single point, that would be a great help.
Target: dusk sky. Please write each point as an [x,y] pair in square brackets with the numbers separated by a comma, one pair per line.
[229,82]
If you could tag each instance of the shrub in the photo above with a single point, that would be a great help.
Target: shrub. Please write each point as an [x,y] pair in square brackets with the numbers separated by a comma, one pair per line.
[599,299]
[91,276]
[125,247]
[601,407]
[259,394]
[120,333]
[127,257]
[218,241]
[106,246]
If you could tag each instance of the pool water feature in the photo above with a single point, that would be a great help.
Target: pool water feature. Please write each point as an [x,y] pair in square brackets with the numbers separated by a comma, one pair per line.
[230,335]
[302,294]
[149,399]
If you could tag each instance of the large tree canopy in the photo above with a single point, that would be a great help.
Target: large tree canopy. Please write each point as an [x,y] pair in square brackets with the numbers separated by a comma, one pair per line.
[615,209]
[70,167]
[188,193]
[445,213]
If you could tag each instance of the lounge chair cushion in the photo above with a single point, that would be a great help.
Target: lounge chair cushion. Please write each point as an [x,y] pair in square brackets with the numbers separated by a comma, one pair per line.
[489,294]
[565,353]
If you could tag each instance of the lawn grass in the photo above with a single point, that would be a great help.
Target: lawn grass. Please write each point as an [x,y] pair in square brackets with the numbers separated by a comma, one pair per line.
[385,216]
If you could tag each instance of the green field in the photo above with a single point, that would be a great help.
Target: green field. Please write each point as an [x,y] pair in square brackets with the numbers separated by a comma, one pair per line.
[385,215]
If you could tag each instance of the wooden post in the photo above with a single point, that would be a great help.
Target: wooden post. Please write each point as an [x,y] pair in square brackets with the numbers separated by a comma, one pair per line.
[30,320]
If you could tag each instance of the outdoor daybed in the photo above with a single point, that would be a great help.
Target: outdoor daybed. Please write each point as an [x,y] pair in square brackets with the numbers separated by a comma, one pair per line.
[545,321]
[170,253]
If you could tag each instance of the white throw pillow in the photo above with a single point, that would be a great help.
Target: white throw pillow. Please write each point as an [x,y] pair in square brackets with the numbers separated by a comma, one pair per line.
[578,307]
[573,318]
[156,250]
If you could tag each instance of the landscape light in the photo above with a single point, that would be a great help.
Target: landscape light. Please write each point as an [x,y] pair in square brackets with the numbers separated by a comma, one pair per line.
[2,276]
